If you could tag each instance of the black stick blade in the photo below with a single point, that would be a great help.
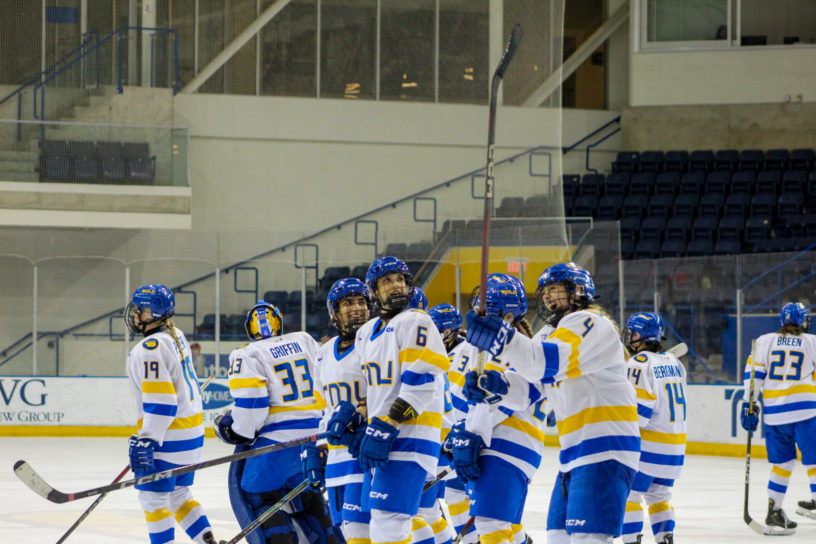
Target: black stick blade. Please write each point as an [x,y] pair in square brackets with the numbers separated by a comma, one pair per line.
[35,482]
[512,47]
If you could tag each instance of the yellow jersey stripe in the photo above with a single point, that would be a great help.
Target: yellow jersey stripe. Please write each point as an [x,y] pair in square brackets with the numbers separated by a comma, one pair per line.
[459,508]
[247,383]
[458,379]
[180,422]
[643,394]
[185,509]
[494,366]
[158,387]
[662,438]
[318,404]
[779,471]
[158,515]
[796,389]
[497,537]
[431,419]
[515,423]
[569,337]
[596,414]
[411,355]
[658,507]
[359,541]
[633,506]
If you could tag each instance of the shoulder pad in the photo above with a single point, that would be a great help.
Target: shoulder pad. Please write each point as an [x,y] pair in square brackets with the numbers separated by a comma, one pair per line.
[641,358]
[150,344]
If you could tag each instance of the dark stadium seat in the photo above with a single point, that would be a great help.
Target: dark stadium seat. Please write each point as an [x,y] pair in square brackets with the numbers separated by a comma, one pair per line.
[711,205]
[756,228]
[536,206]
[763,205]
[802,159]
[417,251]
[730,228]
[794,181]
[718,182]
[676,161]
[278,298]
[570,184]
[626,161]
[642,183]
[141,171]
[751,160]
[81,148]
[591,184]
[652,228]
[704,228]
[113,170]
[617,184]
[395,249]
[609,207]
[647,249]
[776,159]
[727,247]
[635,205]
[207,325]
[331,274]
[234,326]
[701,160]
[359,272]
[569,201]
[699,248]
[808,222]
[651,161]
[510,207]
[291,321]
[673,248]
[86,169]
[629,228]
[810,187]
[110,149]
[677,228]
[692,182]
[667,183]
[685,205]
[627,248]
[726,160]
[737,205]
[789,204]
[57,168]
[585,206]
[743,182]
[660,205]
[293,301]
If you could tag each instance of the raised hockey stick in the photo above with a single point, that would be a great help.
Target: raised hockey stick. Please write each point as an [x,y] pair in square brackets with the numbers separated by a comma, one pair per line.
[498,75]
[271,511]
[439,477]
[755,525]
[464,530]
[679,350]
[121,475]
[29,477]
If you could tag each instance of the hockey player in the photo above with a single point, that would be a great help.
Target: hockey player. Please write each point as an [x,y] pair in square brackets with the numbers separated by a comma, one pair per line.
[783,369]
[341,378]
[582,363]
[660,384]
[498,451]
[403,355]
[448,322]
[170,428]
[419,300]
[275,401]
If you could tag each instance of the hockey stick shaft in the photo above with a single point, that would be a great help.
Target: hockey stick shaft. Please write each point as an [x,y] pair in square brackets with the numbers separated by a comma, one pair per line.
[756,526]
[507,57]
[464,530]
[439,477]
[271,511]
[37,484]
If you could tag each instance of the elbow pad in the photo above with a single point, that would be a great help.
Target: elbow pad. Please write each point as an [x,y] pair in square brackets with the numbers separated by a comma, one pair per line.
[401,411]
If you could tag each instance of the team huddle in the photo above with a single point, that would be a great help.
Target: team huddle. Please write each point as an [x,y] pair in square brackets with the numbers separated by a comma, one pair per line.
[414,413]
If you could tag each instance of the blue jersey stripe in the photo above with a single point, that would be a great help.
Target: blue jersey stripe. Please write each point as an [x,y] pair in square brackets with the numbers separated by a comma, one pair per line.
[252,402]
[200,524]
[551,359]
[160,409]
[343,468]
[519,452]
[661,458]
[459,403]
[664,481]
[165,536]
[171,446]
[758,375]
[632,527]
[598,445]
[506,411]
[309,423]
[417,445]
[534,393]
[773,486]
[413,378]
[792,407]
[644,411]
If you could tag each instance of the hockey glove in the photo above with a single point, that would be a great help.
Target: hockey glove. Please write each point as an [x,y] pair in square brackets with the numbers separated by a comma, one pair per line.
[749,422]
[341,418]
[487,388]
[447,445]
[489,333]
[222,425]
[466,446]
[376,443]
[312,461]
[141,455]
[353,439]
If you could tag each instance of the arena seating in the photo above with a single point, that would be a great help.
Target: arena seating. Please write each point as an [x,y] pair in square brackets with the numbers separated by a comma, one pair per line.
[96,162]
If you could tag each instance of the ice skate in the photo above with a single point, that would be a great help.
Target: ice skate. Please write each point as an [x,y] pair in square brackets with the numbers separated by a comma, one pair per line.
[807,509]
[777,522]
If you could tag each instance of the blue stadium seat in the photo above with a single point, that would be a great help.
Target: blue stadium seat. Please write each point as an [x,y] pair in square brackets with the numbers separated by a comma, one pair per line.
[359,272]
[677,228]
[802,159]
[718,182]
[635,205]
[685,205]
[536,206]
[763,205]
[416,251]
[141,171]
[652,228]
[510,207]
[109,149]
[585,206]
[609,207]
[647,249]
[667,183]
[699,248]
[651,161]
[86,169]
[660,205]
[743,182]
[810,188]
[730,228]
[569,201]
[789,204]
[331,274]
[591,184]
[629,228]
[626,161]
[794,181]
[56,168]
[808,222]
[81,149]
[676,161]
[113,170]
[711,205]
[737,205]
[692,182]
[642,183]
[751,160]
[278,298]
[617,184]
[756,228]
[776,159]
[701,160]
[726,160]
[570,184]
[673,248]
[727,247]
[627,248]
[395,249]
[704,228]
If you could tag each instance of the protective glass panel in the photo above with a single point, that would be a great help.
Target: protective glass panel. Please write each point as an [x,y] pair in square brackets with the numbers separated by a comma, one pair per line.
[670,21]
[288,50]
[407,51]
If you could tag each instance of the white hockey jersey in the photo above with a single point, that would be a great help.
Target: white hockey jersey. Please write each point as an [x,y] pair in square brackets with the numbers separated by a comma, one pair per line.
[274,391]
[516,436]
[168,397]
[784,374]
[403,359]
[341,378]
[585,371]
[660,387]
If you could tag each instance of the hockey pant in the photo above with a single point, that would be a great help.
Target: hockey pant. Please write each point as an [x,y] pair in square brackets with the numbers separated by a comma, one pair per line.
[459,508]
[656,494]
[162,509]
[431,513]
[346,511]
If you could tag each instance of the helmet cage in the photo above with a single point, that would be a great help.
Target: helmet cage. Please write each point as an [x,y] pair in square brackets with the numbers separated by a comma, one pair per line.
[341,289]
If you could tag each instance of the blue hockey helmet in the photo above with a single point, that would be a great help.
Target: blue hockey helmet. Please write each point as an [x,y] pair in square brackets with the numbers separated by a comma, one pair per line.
[263,321]
[648,325]
[384,266]
[503,297]
[795,313]
[344,288]
[446,317]
[157,298]
[522,292]
[579,284]
[418,299]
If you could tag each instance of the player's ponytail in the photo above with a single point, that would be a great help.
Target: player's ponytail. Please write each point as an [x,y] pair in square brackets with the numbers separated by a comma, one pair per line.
[524,326]
[791,328]
[170,325]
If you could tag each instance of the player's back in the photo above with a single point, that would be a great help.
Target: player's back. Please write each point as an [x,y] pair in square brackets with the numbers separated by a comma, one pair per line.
[786,364]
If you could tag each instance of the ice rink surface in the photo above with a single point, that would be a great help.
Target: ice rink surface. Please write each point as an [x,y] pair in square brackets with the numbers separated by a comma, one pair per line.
[708,498]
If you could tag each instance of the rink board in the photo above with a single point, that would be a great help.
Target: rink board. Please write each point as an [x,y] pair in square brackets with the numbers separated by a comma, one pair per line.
[35,406]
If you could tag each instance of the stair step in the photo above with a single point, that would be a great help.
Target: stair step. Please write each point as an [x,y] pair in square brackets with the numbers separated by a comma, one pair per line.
[19,176]
[30,156]
[17,166]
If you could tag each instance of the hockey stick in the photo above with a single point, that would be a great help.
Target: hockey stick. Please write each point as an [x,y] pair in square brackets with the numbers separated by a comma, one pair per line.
[755,525]
[679,350]
[271,511]
[29,477]
[498,75]
[464,530]
[439,477]
[121,475]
